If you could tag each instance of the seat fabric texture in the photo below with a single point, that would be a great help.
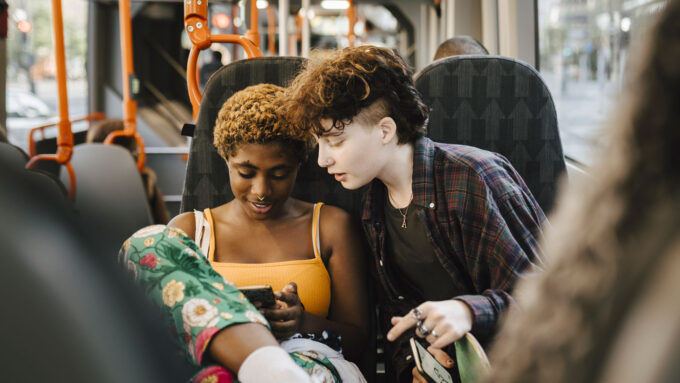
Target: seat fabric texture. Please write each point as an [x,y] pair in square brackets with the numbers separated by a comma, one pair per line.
[501,105]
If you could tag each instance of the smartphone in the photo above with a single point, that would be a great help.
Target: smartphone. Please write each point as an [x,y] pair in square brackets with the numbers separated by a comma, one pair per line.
[428,366]
[263,294]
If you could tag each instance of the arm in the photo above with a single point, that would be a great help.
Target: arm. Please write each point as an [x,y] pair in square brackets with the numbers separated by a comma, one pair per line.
[348,314]
[493,226]
[185,222]
[499,227]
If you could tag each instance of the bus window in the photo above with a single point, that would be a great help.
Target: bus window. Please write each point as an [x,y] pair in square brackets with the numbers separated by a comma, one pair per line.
[583,50]
[31,70]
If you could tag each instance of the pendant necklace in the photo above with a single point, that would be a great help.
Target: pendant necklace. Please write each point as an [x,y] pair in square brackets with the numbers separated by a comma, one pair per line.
[403,211]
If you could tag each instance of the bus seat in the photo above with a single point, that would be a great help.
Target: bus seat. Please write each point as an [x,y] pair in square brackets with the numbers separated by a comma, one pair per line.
[73,318]
[501,105]
[108,185]
[12,156]
[207,178]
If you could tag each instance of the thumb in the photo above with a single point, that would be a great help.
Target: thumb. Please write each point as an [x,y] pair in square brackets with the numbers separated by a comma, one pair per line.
[441,356]
[290,288]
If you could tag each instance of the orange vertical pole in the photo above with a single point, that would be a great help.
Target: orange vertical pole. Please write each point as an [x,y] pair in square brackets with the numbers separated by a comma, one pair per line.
[271,29]
[234,31]
[352,18]
[65,136]
[253,33]
[129,104]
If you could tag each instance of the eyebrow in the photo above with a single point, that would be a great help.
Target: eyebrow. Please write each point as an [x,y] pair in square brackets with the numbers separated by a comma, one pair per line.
[333,134]
[247,164]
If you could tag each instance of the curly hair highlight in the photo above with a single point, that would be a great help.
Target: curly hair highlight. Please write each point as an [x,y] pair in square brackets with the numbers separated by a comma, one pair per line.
[251,116]
[342,84]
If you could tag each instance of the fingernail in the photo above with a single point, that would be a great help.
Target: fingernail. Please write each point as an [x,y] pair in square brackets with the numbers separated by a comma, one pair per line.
[390,337]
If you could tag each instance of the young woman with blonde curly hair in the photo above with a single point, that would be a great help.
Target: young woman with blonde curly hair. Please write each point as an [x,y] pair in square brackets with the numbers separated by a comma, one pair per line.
[308,253]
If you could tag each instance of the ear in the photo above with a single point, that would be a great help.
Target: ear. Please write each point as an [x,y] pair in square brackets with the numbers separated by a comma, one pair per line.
[388,129]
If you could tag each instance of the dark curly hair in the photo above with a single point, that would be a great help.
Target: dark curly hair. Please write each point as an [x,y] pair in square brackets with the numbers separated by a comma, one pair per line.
[344,83]
[251,116]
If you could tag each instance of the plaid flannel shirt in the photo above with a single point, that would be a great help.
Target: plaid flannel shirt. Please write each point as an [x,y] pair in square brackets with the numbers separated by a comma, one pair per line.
[483,225]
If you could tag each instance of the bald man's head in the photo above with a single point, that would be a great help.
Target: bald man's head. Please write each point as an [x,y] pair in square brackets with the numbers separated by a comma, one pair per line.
[461,45]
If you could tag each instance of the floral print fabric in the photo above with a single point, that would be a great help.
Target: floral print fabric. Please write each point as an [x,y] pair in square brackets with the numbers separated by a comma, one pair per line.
[195,300]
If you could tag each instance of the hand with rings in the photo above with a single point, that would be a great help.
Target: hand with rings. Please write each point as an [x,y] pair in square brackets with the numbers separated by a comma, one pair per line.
[440,323]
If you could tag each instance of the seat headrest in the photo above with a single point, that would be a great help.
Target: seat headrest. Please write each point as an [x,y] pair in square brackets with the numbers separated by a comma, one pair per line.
[501,105]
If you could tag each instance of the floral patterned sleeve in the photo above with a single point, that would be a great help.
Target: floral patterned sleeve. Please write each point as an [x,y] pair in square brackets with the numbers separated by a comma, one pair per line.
[195,300]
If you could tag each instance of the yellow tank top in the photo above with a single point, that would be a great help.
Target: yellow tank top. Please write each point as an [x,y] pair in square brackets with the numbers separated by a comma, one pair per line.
[311,276]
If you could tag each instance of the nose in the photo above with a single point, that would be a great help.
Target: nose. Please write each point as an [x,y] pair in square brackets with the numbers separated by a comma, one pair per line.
[260,187]
[324,158]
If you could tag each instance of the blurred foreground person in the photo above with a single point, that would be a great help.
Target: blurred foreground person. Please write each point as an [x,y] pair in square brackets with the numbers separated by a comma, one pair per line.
[606,308]
[70,315]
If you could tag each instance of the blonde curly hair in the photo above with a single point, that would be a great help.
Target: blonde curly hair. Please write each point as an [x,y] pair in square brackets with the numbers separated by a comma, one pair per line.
[251,116]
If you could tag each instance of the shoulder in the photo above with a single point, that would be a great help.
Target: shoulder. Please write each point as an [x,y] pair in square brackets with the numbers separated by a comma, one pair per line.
[333,215]
[476,159]
[335,224]
[185,222]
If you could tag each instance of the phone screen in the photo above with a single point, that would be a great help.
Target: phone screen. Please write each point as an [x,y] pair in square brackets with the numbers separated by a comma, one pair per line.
[261,294]
[428,365]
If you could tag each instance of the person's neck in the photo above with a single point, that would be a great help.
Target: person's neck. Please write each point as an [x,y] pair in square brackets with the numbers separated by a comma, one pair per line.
[397,176]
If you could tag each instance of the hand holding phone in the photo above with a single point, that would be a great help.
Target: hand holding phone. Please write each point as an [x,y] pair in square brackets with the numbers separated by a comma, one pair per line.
[264,295]
[427,366]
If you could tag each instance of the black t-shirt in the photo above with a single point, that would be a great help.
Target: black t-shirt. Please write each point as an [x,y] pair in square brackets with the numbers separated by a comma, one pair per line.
[410,251]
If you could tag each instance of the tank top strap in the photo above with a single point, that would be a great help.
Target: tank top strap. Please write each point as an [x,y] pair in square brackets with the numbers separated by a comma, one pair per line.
[211,224]
[316,241]
[202,232]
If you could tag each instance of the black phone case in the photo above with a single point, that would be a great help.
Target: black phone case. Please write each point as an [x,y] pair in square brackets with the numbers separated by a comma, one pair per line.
[263,295]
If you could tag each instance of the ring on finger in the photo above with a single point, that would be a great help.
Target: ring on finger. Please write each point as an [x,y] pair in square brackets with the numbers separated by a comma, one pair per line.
[417,313]
[422,329]
[434,333]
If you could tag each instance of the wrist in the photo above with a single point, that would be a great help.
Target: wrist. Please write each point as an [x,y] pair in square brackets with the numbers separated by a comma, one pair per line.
[468,313]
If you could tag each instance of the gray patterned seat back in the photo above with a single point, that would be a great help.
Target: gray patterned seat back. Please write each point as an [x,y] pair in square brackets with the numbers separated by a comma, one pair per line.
[501,105]
[207,179]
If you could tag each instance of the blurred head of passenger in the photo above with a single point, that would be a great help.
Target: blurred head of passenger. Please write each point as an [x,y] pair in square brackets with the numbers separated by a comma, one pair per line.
[613,238]
[263,151]
[460,45]
[98,132]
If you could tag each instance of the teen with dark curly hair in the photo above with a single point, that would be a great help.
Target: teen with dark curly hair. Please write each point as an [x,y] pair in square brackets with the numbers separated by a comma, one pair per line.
[308,253]
[451,227]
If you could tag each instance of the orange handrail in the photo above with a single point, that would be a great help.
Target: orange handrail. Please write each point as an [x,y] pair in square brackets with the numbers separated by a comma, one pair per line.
[352,18]
[31,133]
[196,25]
[129,104]
[65,136]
